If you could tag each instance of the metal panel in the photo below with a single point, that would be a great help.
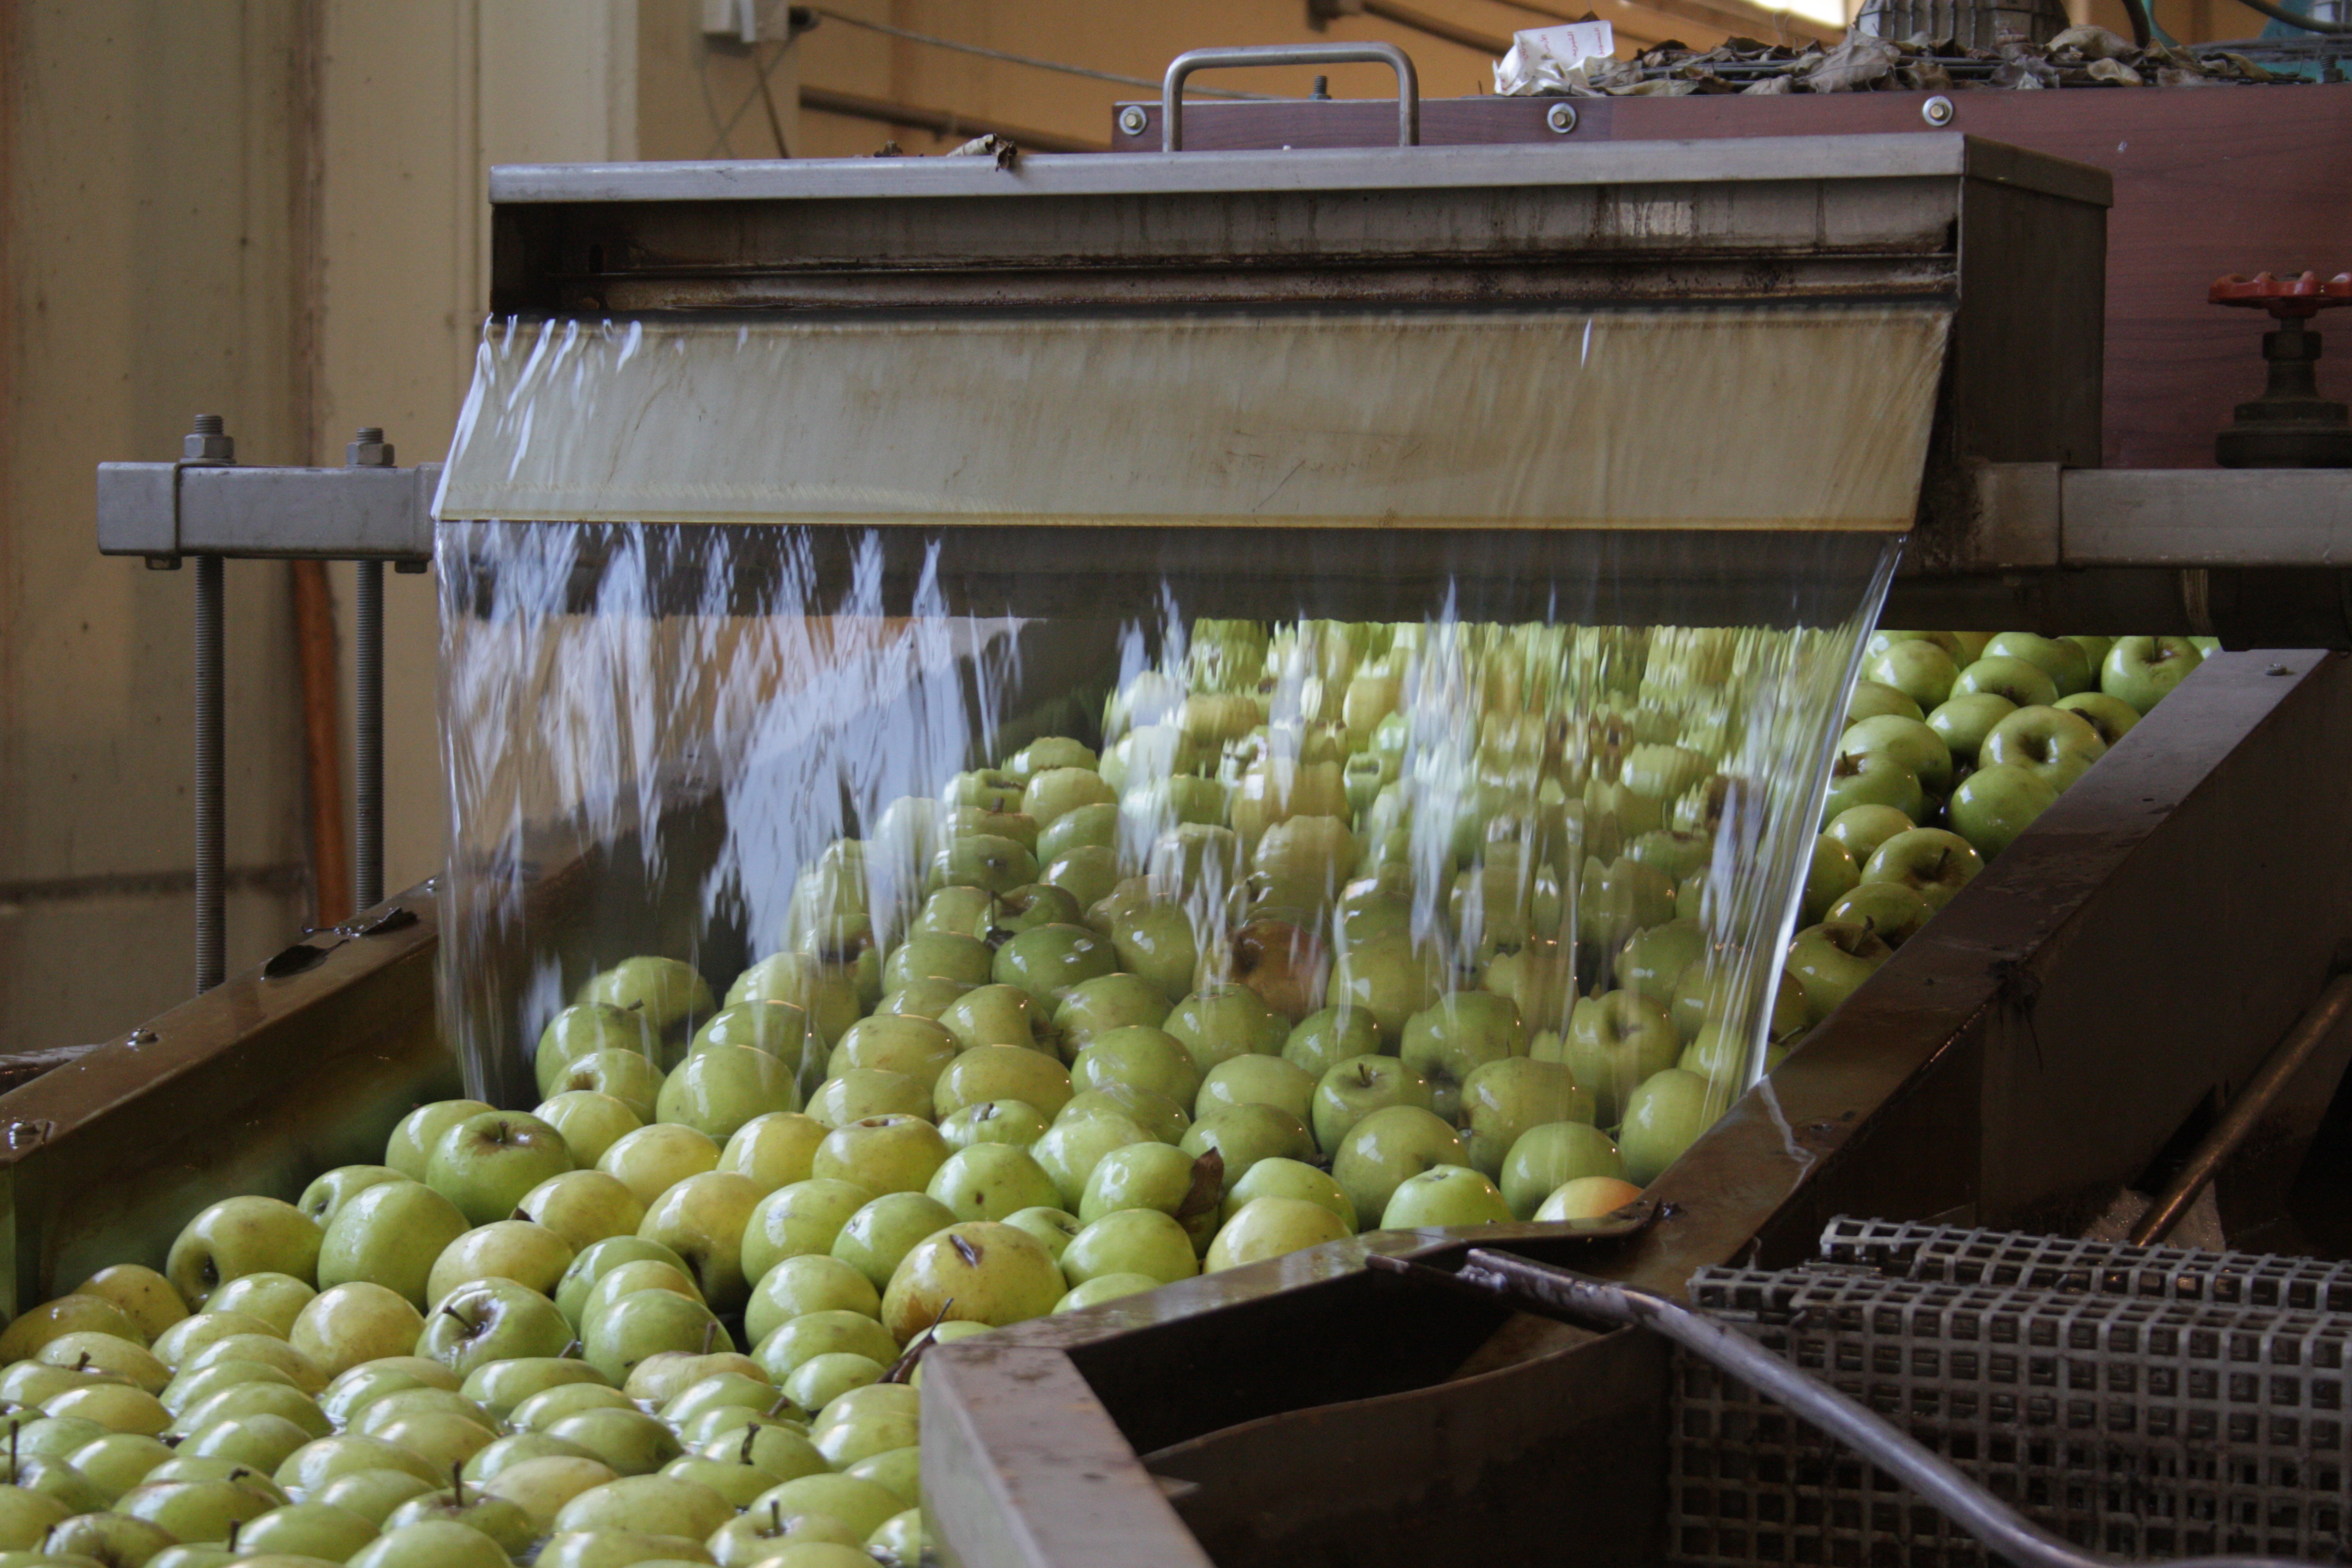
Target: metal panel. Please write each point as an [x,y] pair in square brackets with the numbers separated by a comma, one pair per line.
[2207,517]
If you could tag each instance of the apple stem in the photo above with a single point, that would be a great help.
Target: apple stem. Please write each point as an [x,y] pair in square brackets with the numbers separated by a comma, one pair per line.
[710,1329]
[775,1516]
[750,1435]
[235,1525]
[457,1482]
[572,1349]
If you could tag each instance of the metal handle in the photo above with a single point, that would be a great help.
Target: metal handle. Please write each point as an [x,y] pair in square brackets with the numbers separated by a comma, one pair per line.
[1171,90]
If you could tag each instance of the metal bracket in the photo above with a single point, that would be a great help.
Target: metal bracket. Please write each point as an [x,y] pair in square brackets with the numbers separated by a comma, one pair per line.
[2024,515]
[164,510]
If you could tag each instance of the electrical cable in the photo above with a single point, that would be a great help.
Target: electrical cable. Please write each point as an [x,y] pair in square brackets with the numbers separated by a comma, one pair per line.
[1029,60]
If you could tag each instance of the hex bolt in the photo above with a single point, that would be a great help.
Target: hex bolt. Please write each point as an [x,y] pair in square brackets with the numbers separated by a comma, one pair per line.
[1132,120]
[209,441]
[1561,118]
[1937,110]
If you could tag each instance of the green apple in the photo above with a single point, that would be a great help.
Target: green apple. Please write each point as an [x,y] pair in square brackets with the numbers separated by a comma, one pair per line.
[641,1274]
[2061,661]
[942,955]
[898,1541]
[311,1468]
[237,1236]
[1051,1228]
[1054,793]
[1130,1241]
[1830,962]
[1551,1155]
[617,1549]
[583,1030]
[2051,742]
[628,1442]
[1621,898]
[582,1207]
[1664,1116]
[1615,1040]
[504,1522]
[351,1324]
[827,994]
[1445,1196]
[632,1079]
[971,821]
[353,1390]
[1048,961]
[2027,684]
[1388,978]
[1872,698]
[1000,1015]
[540,1486]
[1157,1114]
[1002,1072]
[1505,1098]
[703,1220]
[918,1048]
[1012,1121]
[1862,828]
[1909,741]
[1354,1088]
[1323,1039]
[1069,1151]
[884,1154]
[492,1319]
[652,1160]
[643,1323]
[542,1410]
[1464,1032]
[1387,1146]
[113,1464]
[259,1439]
[1963,722]
[485,1163]
[499,1386]
[1922,672]
[862,1092]
[1259,1081]
[976,1272]
[1084,827]
[2111,717]
[669,995]
[778,1028]
[1830,873]
[1993,805]
[720,1087]
[431,1543]
[807,1284]
[774,1151]
[598,1260]
[989,1182]
[863,1506]
[141,1295]
[1224,1022]
[982,860]
[829,1331]
[879,1234]
[1931,862]
[1892,910]
[802,1218]
[1157,945]
[1873,778]
[390,1235]
[197,1510]
[514,1250]
[1157,1176]
[1290,1179]
[1140,1055]
[112,1538]
[955,909]
[1108,1004]
[324,1198]
[274,1298]
[589,1123]
[1586,1198]
[1270,1226]
[26,1516]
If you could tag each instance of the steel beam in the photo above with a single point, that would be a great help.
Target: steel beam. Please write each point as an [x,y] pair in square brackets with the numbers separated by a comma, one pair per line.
[165,511]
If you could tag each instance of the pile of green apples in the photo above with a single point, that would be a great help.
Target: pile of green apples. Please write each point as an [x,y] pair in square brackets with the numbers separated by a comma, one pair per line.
[1345,927]
[1954,742]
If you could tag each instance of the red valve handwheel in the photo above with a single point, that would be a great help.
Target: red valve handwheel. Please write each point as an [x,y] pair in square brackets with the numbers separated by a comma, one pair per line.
[2298,298]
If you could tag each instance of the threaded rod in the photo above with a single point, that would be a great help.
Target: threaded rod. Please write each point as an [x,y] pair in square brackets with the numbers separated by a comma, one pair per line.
[367,724]
[212,943]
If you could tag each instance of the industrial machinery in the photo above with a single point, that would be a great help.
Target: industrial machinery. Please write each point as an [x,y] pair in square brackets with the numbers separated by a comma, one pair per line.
[1070,408]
